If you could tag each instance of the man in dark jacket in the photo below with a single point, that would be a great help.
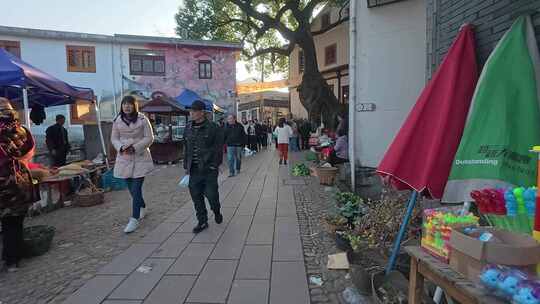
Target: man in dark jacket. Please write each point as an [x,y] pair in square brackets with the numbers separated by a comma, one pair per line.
[57,142]
[203,156]
[235,139]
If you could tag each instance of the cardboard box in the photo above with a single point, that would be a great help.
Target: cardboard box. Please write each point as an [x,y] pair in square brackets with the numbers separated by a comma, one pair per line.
[469,255]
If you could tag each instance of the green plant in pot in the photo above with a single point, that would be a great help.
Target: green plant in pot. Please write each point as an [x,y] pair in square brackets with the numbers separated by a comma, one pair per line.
[343,198]
[336,222]
[350,211]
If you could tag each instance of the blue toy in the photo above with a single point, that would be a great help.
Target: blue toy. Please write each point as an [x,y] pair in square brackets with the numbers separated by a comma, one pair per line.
[530,200]
[511,203]
[525,295]
[508,283]
[490,277]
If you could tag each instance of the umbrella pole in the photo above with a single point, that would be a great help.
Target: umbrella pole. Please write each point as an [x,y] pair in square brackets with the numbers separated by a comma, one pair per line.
[26,108]
[402,230]
[103,147]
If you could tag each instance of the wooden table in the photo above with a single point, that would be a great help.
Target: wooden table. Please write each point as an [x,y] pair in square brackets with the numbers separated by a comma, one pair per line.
[424,266]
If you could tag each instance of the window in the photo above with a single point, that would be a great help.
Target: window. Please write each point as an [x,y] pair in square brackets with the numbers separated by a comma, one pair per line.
[330,54]
[254,114]
[244,115]
[13,47]
[81,59]
[345,94]
[205,69]
[147,62]
[374,3]
[301,61]
[325,21]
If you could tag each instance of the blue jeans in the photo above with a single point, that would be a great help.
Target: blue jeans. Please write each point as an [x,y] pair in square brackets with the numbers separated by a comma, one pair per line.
[293,144]
[135,189]
[234,157]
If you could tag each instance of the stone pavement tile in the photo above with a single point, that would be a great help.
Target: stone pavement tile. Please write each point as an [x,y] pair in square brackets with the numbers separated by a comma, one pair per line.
[285,194]
[255,263]
[188,225]
[232,241]
[161,233]
[95,290]
[192,260]
[249,292]
[286,209]
[265,212]
[121,302]
[261,233]
[171,290]
[289,283]
[180,216]
[173,247]
[129,260]
[287,248]
[247,208]
[268,203]
[138,285]
[210,235]
[287,226]
[214,283]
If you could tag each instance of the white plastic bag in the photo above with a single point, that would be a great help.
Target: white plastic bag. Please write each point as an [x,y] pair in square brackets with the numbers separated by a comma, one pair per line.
[248,152]
[184,182]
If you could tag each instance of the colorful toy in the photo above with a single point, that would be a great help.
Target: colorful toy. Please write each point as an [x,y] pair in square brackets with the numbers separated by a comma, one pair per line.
[437,229]
[528,293]
[511,284]
[490,277]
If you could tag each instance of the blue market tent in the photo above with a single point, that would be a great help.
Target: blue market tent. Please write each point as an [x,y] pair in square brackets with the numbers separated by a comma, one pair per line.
[187,97]
[42,88]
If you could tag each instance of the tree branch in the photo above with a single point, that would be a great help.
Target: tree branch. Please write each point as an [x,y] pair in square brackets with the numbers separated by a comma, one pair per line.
[268,22]
[272,50]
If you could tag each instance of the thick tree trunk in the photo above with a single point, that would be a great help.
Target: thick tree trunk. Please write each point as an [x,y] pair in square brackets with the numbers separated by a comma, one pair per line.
[315,93]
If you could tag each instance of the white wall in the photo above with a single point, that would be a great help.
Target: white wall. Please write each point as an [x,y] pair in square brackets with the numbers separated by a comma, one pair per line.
[50,56]
[391,48]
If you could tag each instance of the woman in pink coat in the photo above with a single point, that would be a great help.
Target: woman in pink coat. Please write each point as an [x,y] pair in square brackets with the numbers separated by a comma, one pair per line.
[131,137]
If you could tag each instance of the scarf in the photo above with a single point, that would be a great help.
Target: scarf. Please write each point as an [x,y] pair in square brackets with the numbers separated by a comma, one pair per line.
[129,119]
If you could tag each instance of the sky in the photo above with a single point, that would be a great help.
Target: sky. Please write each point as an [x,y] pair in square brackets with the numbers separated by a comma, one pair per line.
[135,17]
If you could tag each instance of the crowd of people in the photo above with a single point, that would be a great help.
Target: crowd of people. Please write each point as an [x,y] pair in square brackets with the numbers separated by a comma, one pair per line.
[132,136]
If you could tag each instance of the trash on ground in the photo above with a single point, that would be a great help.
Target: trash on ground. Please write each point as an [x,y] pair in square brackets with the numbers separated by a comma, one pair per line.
[144,269]
[338,261]
[316,280]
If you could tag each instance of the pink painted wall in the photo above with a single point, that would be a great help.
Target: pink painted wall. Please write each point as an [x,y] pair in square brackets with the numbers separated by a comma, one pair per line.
[182,72]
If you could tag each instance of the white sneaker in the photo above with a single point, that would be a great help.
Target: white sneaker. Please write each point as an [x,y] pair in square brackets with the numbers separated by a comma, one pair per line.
[142,213]
[132,225]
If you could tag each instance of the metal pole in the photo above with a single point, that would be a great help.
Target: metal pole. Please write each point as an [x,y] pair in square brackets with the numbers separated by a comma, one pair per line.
[103,147]
[402,230]
[26,108]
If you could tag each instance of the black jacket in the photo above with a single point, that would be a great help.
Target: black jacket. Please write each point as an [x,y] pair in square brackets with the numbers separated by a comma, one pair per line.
[57,138]
[210,139]
[235,135]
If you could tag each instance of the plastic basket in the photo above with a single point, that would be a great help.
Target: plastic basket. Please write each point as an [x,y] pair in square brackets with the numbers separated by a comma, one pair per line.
[111,183]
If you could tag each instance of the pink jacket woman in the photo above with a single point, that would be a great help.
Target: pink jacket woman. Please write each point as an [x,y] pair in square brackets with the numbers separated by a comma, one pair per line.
[139,135]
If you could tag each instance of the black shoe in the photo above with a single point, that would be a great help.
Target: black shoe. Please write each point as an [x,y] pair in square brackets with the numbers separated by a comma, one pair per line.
[219,218]
[281,162]
[200,227]
[285,162]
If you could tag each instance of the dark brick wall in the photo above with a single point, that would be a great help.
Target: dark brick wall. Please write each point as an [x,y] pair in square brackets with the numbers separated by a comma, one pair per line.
[491,19]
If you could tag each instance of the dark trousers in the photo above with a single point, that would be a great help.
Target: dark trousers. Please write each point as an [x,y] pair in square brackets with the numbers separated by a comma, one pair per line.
[335,160]
[12,239]
[253,143]
[59,159]
[201,185]
[135,189]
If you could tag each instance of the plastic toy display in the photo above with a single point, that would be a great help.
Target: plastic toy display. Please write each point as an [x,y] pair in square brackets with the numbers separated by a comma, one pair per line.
[437,228]
[510,209]
[511,284]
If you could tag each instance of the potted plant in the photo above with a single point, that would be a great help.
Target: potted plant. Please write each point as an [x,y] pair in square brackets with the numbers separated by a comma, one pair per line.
[344,197]
[335,222]
[356,242]
[342,242]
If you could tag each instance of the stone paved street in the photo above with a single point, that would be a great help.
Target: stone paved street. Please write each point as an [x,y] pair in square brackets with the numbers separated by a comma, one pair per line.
[88,238]
[255,256]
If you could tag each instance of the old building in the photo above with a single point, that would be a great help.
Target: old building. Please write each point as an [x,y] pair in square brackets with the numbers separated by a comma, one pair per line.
[332,49]
[115,65]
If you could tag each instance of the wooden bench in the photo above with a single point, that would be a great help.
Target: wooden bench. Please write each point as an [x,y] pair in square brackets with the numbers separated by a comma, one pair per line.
[426,267]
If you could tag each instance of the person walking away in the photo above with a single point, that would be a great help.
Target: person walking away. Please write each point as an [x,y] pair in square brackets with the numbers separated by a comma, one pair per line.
[132,137]
[56,139]
[340,154]
[252,136]
[294,138]
[203,156]
[283,134]
[17,191]
[258,133]
[235,140]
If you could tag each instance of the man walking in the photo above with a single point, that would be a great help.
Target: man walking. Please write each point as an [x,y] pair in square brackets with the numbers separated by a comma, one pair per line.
[235,139]
[57,142]
[203,156]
